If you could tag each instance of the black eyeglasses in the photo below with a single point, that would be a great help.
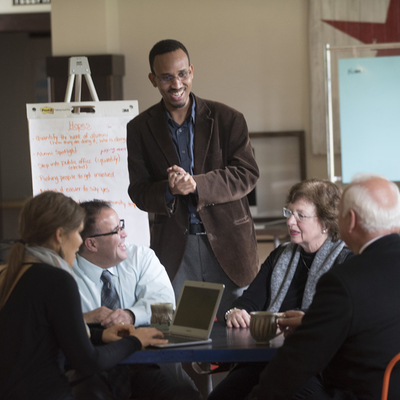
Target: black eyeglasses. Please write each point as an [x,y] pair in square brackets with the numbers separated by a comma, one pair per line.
[182,76]
[116,232]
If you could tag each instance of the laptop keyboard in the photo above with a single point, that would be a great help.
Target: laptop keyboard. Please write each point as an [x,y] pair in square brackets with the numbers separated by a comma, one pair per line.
[179,339]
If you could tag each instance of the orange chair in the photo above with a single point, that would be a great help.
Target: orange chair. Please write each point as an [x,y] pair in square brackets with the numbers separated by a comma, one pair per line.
[386,377]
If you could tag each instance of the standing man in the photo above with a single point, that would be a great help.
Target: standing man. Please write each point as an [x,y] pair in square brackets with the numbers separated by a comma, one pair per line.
[118,282]
[351,330]
[191,164]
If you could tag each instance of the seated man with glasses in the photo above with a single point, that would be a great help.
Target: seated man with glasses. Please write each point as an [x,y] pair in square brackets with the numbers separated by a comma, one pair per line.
[288,277]
[118,282]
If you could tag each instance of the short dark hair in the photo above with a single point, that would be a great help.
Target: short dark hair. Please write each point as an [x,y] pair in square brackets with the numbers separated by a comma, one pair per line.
[165,46]
[93,209]
[325,195]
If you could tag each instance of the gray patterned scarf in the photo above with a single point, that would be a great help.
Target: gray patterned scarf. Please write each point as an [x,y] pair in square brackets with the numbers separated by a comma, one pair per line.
[286,265]
[48,256]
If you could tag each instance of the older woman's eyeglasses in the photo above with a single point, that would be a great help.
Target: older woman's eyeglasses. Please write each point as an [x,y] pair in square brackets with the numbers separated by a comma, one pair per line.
[182,76]
[116,232]
[298,216]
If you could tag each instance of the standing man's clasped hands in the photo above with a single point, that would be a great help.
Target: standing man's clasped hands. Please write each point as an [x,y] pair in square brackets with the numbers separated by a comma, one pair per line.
[180,181]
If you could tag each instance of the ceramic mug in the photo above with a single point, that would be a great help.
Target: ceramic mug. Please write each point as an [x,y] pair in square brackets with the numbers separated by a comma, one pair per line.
[161,315]
[263,326]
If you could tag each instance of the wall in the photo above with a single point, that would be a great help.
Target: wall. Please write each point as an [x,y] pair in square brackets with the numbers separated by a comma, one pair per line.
[252,55]
[23,80]
[7,7]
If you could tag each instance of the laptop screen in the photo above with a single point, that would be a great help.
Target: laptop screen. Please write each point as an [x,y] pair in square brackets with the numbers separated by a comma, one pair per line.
[196,307]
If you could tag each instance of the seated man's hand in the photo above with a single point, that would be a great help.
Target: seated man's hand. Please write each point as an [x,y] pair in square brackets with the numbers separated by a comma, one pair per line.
[149,336]
[117,332]
[291,321]
[117,316]
[238,319]
[97,316]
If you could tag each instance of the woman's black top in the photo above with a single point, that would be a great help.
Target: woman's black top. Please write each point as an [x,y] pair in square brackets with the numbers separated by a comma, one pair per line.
[42,316]
[257,296]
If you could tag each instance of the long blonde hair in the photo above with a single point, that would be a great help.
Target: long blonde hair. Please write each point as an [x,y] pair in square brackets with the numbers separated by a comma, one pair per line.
[39,220]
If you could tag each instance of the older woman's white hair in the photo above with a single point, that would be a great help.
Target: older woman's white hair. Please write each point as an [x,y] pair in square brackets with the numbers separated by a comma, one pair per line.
[374,216]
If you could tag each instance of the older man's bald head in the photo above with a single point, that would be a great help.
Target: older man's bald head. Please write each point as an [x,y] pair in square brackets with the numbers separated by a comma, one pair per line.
[382,192]
[376,202]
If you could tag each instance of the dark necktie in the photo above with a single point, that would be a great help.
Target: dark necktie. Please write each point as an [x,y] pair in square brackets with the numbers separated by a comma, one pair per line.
[109,296]
[119,376]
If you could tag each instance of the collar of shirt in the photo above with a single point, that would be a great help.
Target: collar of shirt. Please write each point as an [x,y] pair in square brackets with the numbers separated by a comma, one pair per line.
[93,271]
[368,243]
[192,116]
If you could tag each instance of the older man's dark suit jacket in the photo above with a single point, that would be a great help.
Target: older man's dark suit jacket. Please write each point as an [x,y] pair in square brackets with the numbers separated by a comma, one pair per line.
[225,172]
[351,331]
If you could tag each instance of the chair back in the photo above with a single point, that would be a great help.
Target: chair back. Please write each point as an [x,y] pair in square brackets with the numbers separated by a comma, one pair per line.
[386,376]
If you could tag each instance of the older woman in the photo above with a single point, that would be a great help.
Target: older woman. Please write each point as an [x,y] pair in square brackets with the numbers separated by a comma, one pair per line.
[40,310]
[288,277]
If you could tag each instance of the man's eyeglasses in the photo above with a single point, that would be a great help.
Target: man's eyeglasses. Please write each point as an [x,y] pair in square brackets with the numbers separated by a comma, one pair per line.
[116,232]
[182,76]
[299,217]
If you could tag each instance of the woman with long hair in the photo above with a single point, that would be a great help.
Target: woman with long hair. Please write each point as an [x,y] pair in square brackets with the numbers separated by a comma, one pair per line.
[41,320]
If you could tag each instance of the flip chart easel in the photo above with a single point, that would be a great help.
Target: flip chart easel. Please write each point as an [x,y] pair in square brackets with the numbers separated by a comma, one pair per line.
[83,155]
[79,66]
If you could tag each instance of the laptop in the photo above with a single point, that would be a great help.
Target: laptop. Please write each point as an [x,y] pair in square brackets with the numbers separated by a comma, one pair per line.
[194,315]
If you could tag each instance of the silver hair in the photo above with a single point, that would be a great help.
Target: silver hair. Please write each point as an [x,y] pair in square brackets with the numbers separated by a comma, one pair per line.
[373,217]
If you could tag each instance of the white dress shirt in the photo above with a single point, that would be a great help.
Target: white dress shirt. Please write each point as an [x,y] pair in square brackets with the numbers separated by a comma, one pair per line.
[140,280]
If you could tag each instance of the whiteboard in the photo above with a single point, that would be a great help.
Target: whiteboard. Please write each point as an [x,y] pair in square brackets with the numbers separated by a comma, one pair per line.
[84,156]
[369,116]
